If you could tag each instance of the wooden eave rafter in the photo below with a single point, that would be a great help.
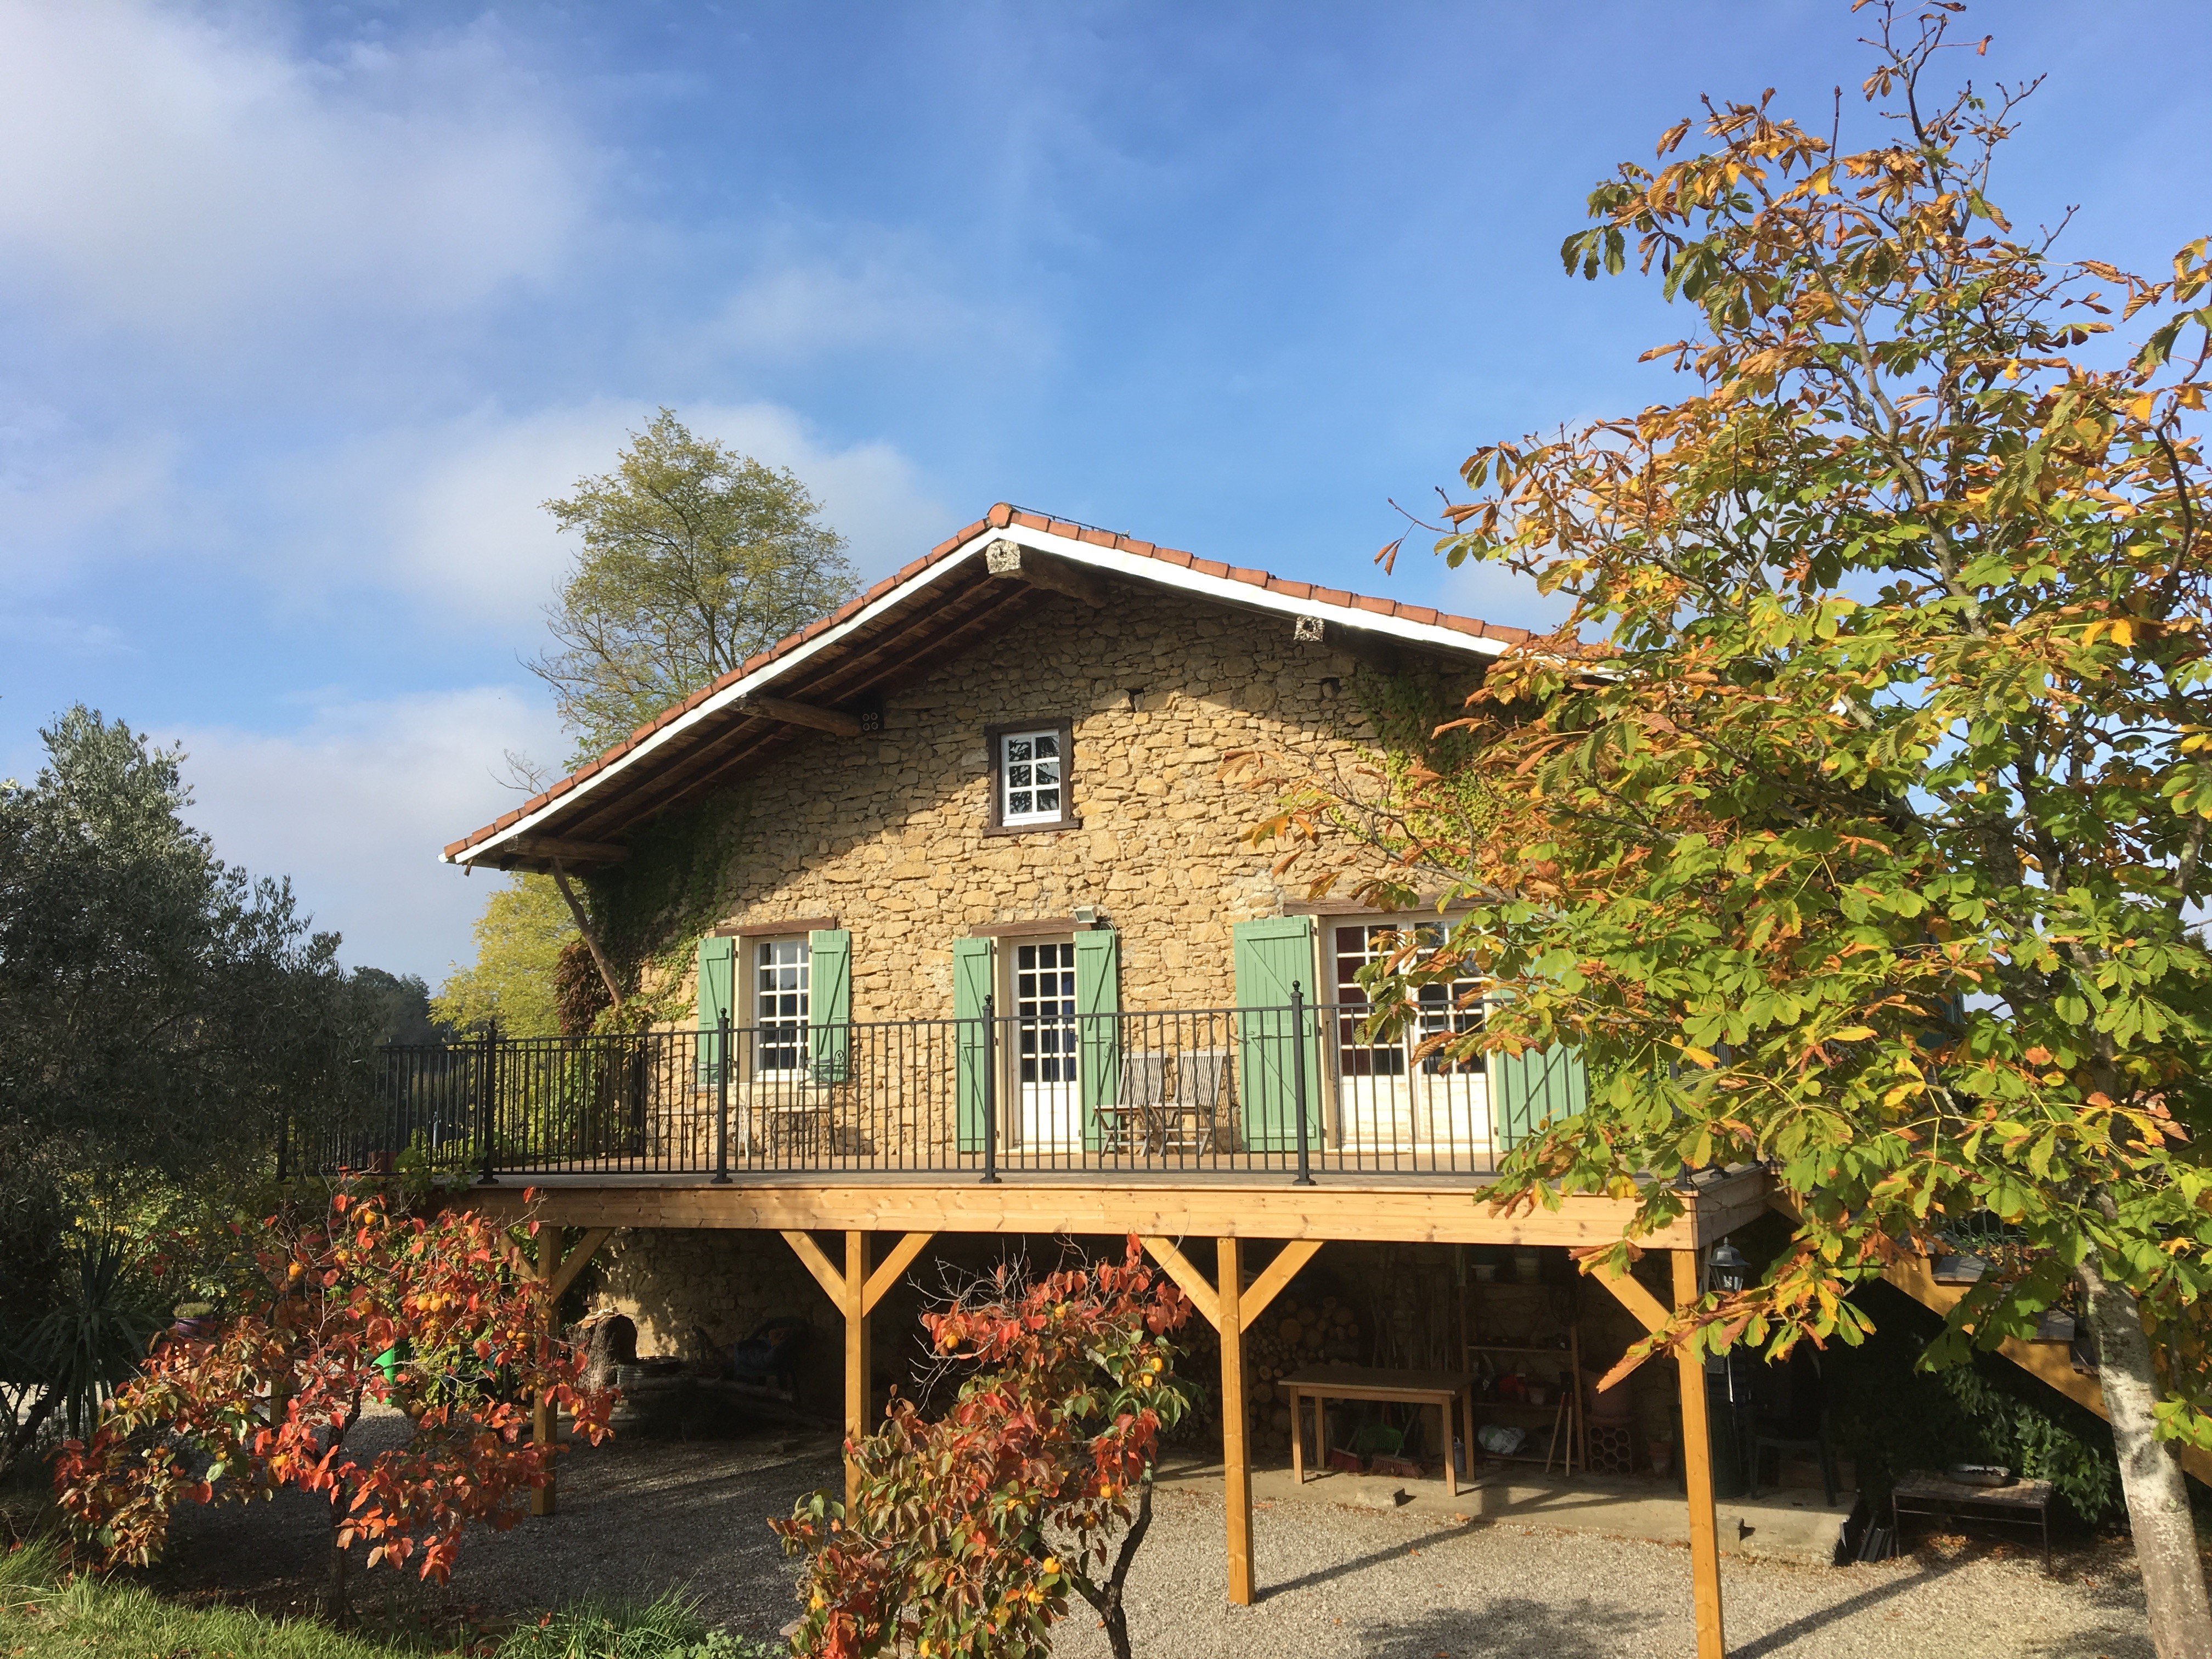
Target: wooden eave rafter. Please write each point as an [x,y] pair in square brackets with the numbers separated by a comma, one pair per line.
[891,660]
[910,644]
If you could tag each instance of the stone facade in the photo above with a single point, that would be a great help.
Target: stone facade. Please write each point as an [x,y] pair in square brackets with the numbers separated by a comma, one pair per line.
[888,833]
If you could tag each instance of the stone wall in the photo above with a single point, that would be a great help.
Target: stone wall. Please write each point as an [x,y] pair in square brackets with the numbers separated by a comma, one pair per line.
[886,832]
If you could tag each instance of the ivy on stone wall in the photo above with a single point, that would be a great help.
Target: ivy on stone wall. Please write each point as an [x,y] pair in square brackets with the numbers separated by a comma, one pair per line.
[656,905]
[1413,714]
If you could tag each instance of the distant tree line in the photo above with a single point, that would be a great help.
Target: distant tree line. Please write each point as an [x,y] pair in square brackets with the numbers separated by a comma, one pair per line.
[166,1019]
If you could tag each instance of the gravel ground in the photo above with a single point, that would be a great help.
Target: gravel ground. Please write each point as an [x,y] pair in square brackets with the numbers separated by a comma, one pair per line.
[640,1515]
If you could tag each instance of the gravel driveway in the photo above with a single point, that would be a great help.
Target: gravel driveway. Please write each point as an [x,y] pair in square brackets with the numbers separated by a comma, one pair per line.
[639,1516]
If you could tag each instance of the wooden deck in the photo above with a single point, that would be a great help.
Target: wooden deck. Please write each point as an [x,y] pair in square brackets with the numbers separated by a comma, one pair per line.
[1168,1213]
[1415,1209]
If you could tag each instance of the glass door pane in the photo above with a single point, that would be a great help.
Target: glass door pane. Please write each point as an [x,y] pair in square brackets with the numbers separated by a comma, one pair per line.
[1048,1102]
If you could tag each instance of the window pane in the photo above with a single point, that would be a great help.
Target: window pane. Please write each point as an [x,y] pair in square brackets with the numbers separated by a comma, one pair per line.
[1030,780]
[1356,947]
[782,995]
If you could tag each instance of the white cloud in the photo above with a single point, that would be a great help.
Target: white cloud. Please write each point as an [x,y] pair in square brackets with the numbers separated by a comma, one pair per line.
[879,291]
[60,488]
[183,174]
[355,804]
[453,516]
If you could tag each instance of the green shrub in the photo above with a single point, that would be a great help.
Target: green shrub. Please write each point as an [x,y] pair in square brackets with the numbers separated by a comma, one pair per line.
[667,1627]
[1891,1417]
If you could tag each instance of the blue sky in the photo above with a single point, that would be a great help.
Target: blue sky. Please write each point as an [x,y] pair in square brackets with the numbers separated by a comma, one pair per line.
[303,311]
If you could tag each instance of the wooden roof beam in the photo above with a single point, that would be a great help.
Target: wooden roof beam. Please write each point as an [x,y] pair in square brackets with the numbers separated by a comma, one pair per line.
[900,654]
[886,660]
[552,847]
[836,721]
[1004,558]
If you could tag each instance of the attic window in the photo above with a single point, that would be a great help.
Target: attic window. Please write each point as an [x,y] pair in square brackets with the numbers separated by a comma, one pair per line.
[1030,772]
[1032,776]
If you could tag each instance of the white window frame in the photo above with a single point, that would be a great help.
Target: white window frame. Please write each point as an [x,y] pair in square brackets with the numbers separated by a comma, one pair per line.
[760,1019]
[1058,813]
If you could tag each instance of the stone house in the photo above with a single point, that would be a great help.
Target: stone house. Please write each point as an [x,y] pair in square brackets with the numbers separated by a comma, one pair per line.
[959,930]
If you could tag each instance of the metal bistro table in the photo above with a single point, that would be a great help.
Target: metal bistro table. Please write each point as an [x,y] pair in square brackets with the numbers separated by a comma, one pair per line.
[2022,1503]
[1322,1383]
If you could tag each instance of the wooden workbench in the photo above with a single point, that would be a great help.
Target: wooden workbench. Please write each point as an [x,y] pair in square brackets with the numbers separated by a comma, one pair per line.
[1322,1383]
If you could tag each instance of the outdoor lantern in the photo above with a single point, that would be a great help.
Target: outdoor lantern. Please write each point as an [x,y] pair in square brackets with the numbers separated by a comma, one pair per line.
[1730,1269]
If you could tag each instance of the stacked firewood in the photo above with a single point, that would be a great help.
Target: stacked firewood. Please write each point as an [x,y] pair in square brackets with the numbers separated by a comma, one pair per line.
[1288,1337]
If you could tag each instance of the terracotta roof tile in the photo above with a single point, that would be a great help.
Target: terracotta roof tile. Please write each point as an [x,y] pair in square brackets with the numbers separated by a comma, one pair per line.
[1001,515]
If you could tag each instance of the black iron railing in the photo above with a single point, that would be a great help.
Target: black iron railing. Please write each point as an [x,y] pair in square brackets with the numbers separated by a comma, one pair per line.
[1305,1090]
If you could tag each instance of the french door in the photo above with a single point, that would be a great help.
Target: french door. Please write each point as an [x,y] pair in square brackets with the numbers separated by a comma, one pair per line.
[1387,1096]
[1049,1100]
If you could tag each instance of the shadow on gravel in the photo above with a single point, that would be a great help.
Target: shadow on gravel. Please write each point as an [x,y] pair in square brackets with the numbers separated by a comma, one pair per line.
[1510,1626]
[1361,1563]
[1776,1641]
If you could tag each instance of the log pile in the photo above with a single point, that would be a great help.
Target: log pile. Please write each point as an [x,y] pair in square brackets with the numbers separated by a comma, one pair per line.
[1290,1335]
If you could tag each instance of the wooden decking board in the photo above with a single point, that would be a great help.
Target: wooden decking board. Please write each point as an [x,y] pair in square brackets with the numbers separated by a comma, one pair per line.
[1407,1211]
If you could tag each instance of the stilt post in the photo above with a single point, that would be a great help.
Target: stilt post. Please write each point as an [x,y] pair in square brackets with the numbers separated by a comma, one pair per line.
[544,1425]
[1698,1476]
[1235,1434]
[858,1380]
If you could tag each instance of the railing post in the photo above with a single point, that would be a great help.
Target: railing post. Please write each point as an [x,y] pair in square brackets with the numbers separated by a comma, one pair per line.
[1298,1080]
[488,1109]
[722,1060]
[990,1094]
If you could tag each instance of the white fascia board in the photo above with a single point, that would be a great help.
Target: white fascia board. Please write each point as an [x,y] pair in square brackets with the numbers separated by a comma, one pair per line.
[1227,590]
[757,681]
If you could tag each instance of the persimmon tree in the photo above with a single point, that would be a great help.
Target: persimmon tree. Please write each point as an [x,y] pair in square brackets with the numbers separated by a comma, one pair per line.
[1854,822]
[971,1530]
[269,1401]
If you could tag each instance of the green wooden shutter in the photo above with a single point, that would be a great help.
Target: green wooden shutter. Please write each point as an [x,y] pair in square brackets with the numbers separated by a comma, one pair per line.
[1272,954]
[829,1004]
[718,959]
[1533,1088]
[1099,1026]
[972,963]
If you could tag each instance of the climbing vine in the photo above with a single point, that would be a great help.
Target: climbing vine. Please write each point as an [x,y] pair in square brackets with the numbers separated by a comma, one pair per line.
[663,899]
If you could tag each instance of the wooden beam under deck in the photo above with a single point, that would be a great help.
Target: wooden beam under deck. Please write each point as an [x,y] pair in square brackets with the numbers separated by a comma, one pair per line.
[1423,1212]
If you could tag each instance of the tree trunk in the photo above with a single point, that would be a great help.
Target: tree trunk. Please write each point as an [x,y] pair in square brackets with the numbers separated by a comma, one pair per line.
[334,1592]
[2151,1480]
[1106,1599]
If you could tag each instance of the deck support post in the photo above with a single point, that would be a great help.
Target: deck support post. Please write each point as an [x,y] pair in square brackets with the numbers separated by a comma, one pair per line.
[854,1293]
[1228,1306]
[1698,1475]
[543,1426]
[860,1377]
[1235,1434]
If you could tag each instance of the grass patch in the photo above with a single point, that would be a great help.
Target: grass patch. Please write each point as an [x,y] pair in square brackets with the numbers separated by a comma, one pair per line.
[42,1616]
[668,1628]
